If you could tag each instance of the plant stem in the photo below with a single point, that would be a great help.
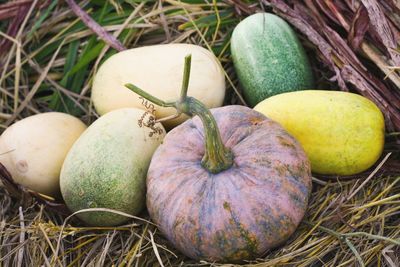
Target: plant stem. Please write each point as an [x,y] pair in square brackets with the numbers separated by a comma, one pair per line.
[217,157]
[186,75]
[149,97]
[95,27]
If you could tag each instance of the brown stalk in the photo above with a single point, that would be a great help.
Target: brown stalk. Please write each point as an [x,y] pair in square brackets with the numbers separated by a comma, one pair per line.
[8,13]
[381,26]
[359,34]
[14,4]
[241,8]
[358,28]
[13,27]
[95,27]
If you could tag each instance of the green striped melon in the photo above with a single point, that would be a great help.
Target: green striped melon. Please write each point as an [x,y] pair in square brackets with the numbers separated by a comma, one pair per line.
[268,58]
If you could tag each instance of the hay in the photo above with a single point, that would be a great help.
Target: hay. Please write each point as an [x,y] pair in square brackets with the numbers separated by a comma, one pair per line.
[48,58]
[340,229]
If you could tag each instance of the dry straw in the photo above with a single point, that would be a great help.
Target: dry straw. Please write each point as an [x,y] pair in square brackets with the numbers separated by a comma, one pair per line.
[47,61]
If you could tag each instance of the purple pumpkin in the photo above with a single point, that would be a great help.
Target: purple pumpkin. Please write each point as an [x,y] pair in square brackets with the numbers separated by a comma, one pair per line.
[226,189]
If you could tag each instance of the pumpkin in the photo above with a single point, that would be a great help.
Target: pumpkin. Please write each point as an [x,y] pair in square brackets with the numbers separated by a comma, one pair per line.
[227,185]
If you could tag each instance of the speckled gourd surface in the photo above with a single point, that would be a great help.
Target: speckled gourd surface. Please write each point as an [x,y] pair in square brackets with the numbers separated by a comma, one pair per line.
[107,166]
[268,58]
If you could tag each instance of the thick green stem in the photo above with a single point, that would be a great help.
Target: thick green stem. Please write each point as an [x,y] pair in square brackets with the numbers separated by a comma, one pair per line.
[185,79]
[217,157]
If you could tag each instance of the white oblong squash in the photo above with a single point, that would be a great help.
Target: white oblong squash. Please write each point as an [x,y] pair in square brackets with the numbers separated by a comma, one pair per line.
[158,70]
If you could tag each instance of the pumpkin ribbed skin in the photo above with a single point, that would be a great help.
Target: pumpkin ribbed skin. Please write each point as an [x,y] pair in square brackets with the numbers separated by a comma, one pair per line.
[238,213]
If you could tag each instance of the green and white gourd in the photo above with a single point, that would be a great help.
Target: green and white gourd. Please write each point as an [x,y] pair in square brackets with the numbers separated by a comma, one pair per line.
[269,58]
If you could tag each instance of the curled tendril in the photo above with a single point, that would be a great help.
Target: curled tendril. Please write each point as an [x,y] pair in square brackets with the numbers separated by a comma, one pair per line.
[150,123]
[149,106]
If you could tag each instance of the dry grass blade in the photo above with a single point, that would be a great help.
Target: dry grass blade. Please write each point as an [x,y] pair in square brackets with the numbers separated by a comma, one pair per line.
[370,176]
[155,249]
[34,88]
[21,237]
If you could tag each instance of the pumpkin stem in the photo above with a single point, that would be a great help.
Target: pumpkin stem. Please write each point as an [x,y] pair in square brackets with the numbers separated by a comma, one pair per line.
[217,156]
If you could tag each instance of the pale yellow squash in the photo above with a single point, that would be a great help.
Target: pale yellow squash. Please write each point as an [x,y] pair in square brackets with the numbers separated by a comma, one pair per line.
[342,133]
[158,70]
[33,149]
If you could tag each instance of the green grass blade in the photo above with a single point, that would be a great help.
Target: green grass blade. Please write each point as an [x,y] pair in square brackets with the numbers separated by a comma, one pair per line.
[39,22]
[70,60]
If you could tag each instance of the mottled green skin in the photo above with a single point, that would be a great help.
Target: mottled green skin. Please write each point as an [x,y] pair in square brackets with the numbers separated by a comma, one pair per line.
[268,58]
[107,166]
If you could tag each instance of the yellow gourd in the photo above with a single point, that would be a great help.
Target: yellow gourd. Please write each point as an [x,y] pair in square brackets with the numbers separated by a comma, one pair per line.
[342,133]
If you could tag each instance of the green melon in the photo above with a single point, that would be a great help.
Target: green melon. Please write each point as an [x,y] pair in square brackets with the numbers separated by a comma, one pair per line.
[268,58]
[107,166]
